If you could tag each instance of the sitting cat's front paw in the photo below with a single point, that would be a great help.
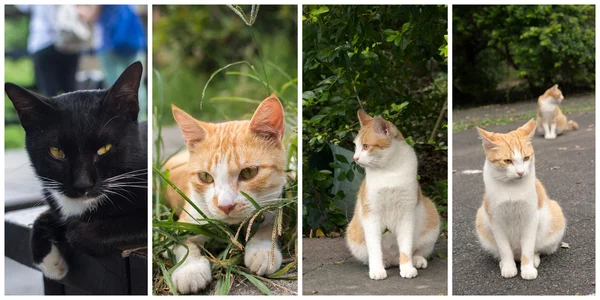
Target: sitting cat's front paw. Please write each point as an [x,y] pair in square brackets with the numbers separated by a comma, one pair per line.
[377,273]
[54,265]
[419,262]
[192,276]
[508,269]
[529,273]
[550,136]
[259,260]
[408,272]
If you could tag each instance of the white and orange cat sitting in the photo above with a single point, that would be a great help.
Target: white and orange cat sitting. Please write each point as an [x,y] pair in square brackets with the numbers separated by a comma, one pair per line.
[393,223]
[550,119]
[517,220]
[223,160]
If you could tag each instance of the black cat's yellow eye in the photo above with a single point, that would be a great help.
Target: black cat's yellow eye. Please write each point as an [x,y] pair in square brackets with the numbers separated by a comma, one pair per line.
[104,149]
[365,146]
[508,161]
[249,173]
[57,153]
[526,158]
[205,177]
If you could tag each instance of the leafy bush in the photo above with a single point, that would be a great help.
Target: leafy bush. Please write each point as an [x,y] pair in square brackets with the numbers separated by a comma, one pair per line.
[389,60]
[521,49]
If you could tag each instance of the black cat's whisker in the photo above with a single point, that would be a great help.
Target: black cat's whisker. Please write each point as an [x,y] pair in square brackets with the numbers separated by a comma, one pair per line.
[118,194]
[103,126]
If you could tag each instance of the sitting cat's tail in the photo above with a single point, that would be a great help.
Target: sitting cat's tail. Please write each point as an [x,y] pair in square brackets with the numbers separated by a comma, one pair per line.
[572,125]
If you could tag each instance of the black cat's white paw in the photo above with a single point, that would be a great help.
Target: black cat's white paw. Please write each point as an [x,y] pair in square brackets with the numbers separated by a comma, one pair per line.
[193,275]
[258,260]
[54,265]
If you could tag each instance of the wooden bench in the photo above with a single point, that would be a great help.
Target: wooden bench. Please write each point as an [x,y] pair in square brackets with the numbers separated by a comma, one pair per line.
[123,273]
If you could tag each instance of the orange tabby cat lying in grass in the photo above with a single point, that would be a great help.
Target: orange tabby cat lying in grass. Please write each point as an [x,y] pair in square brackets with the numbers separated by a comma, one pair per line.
[550,119]
[517,220]
[223,160]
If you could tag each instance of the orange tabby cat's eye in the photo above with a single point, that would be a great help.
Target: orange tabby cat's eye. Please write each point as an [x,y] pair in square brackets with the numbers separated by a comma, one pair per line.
[508,161]
[526,158]
[205,177]
[249,173]
[365,146]
[57,153]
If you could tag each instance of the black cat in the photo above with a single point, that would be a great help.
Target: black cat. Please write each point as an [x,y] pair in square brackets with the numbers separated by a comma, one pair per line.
[90,153]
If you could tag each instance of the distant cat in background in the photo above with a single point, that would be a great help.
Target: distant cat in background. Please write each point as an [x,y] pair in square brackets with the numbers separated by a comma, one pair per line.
[89,151]
[517,220]
[550,119]
[393,223]
[223,160]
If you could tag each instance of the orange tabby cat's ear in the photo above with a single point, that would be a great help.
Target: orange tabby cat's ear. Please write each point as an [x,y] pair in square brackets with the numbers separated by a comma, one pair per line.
[486,138]
[268,119]
[527,131]
[192,131]
[363,117]
[381,126]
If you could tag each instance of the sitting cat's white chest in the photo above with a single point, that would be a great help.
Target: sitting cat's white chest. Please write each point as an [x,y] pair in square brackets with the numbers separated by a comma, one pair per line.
[547,110]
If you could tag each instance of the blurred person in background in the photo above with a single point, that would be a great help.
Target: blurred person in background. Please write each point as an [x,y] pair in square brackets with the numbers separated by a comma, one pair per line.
[56,36]
[121,41]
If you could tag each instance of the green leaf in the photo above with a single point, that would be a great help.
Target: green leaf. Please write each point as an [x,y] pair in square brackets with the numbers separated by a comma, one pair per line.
[350,175]
[320,10]
[341,158]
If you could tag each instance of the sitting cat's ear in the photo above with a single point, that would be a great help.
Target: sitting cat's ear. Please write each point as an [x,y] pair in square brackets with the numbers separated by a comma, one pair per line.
[30,106]
[527,131]
[486,138]
[267,120]
[122,97]
[381,126]
[363,117]
[192,131]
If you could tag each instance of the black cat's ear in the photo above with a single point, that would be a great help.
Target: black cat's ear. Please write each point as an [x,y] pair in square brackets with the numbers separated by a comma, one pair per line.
[122,97]
[30,106]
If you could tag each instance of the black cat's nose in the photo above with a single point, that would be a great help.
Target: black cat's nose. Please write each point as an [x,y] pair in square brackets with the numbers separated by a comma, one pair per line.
[82,184]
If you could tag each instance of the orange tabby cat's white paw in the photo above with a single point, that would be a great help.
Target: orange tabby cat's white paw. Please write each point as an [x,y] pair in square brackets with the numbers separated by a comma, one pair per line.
[508,269]
[54,265]
[377,273]
[550,136]
[408,272]
[193,275]
[258,260]
[536,260]
[529,272]
[419,262]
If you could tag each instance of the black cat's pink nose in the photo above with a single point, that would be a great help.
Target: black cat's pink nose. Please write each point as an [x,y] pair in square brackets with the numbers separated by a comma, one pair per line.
[226,208]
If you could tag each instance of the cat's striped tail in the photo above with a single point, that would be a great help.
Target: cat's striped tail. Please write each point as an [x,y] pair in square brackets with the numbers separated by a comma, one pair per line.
[572,125]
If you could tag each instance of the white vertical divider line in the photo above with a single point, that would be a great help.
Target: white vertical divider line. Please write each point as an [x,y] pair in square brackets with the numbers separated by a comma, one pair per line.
[299,175]
[449,112]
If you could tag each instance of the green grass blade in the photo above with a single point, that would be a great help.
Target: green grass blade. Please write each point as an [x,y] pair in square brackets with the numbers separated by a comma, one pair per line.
[256,282]
[167,276]
[256,205]
[219,71]
[279,274]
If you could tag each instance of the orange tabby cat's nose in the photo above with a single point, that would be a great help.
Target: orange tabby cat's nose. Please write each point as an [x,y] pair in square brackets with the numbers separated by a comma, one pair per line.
[226,208]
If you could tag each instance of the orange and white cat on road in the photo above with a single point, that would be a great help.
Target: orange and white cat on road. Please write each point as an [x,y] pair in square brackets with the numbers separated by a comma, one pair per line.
[222,160]
[550,119]
[393,223]
[517,220]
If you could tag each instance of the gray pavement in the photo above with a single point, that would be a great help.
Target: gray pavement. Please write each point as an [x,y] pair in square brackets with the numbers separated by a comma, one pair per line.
[566,167]
[329,269]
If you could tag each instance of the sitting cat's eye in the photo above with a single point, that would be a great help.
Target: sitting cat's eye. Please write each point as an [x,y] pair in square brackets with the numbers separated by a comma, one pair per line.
[249,173]
[205,177]
[508,161]
[526,158]
[57,153]
[365,146]
[104,149]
